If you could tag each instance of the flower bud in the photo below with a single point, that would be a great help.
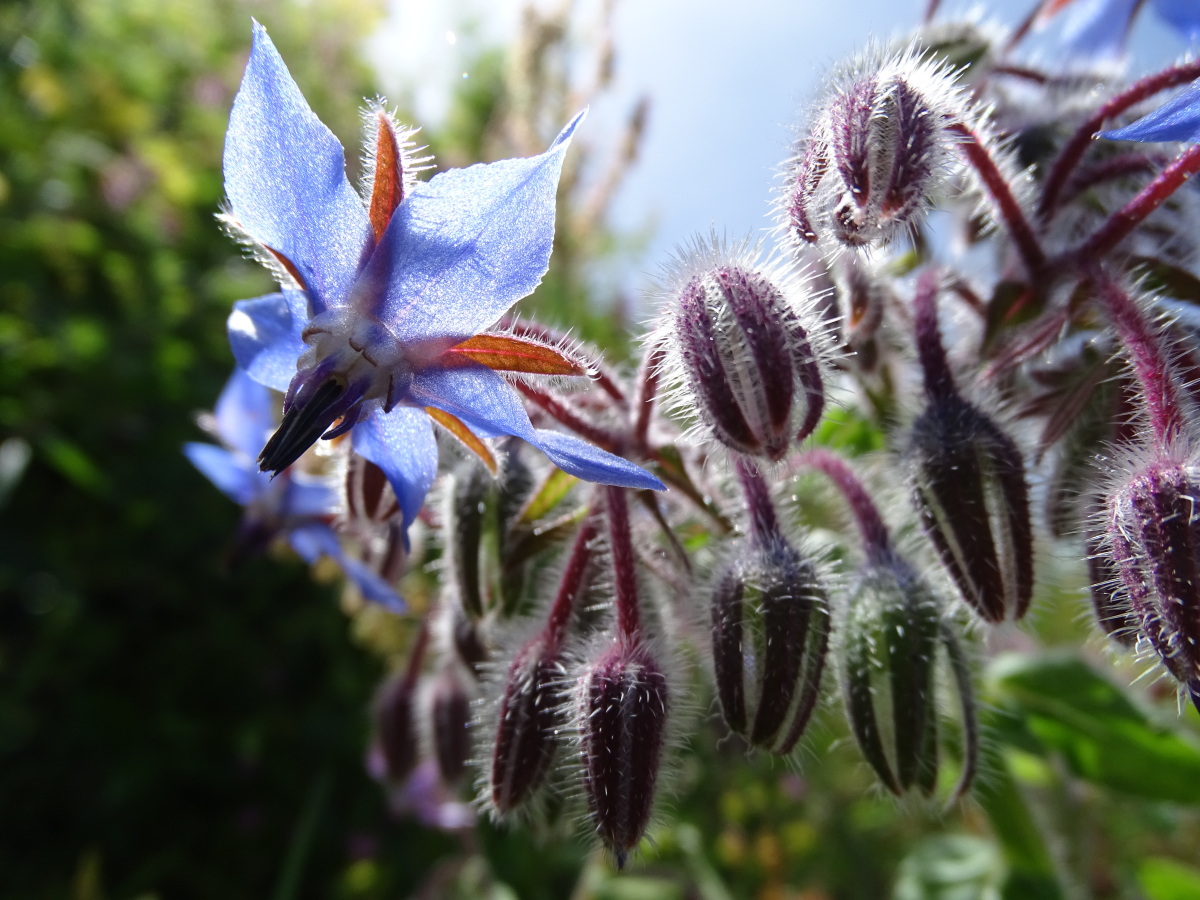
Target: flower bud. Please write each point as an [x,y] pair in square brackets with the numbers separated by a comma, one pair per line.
[969,486]
[621,704]
[890,644]
[744,346]
[1109,601]
[395,726]
[528,726]
[878,146]
[450,718]
[770,631]
[1153,534]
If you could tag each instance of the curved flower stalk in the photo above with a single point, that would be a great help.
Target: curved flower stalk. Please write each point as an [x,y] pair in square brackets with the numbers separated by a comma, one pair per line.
[893,634]
[969,483]
[294,505]
[379,323]
[1150,520]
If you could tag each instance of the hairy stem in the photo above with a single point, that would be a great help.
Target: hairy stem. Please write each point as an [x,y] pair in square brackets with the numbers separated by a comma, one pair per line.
[1060,171]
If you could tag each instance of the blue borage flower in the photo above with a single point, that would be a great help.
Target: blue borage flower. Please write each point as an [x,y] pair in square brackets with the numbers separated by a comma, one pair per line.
[379,322]
[1100,28]
[296,506]
[1176,120]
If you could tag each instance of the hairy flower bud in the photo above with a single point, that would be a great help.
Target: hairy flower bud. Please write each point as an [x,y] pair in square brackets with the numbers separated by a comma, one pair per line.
[622,702]
[890,643]
[743,346]
[770,630]
[878,146]
[527,727]
[1153,534]
[969,485]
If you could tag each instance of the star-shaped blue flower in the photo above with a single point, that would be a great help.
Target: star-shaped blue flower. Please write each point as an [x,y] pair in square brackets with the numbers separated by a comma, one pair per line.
[378,324]
[295,506]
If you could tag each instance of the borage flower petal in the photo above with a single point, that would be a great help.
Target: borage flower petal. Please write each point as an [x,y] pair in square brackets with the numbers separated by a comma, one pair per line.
[360,341]
[264,334]
[1176,120]
[489,406]
[285,176]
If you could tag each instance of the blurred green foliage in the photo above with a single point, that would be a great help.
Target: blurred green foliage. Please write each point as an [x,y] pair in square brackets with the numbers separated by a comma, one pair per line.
[163,723]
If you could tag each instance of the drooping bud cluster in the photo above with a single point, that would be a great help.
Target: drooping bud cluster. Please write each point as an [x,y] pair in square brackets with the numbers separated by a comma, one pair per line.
[744,347]
[770,629]
[877,148]
[969,484]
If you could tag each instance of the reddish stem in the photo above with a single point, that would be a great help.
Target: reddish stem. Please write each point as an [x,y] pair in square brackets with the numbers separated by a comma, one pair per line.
[876,540]
[572,580]
[939,382]
[1150,365]
[1133,213]
[647,391]
[1023,29]
[1060,172]
[559,411]
[1010,210]
[629,624]
[764,524]
[1111,169]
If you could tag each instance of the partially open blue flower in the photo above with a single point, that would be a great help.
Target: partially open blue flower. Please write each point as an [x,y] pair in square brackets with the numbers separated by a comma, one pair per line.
[1100,28]
[295,506]
[1176,120]
[378,325]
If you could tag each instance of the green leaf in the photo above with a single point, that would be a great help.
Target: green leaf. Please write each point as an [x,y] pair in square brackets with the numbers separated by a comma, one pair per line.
[548,496]
[1069,709]
[951,867]
[1166,879]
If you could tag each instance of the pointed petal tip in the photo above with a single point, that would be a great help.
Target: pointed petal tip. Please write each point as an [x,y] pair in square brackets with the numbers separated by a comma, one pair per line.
[564,136]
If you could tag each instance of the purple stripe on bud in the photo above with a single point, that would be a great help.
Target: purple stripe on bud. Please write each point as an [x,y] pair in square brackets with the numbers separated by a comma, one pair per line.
[1154,536]
[970,490]
[528,724]
[770,631]
[748,361]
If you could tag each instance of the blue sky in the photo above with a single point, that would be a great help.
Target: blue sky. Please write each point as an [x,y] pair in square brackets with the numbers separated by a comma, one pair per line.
[728,81]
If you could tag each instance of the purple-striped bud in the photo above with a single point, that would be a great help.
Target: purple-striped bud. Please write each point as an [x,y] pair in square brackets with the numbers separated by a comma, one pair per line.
[770,632]
[1110,601]
[744,346]
[891,641]
[394,714]
[621,705]
[878,147]
[449,719]
[969,486]
[1153,535]
[528,726]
